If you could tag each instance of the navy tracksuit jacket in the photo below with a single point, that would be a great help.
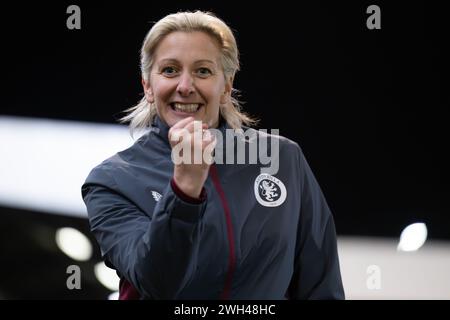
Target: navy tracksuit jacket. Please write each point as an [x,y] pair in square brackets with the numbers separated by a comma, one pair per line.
[252,236]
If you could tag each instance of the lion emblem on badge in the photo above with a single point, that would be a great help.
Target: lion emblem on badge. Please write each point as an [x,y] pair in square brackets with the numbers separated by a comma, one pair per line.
[268,190]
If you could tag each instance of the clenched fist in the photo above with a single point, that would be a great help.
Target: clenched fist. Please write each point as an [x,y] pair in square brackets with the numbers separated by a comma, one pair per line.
[192,153]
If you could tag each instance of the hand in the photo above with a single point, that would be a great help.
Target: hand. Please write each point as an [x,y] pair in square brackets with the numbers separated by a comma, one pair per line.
[191,169]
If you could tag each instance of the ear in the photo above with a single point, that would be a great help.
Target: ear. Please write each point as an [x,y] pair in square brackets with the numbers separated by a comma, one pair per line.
[225,97]
[148,91]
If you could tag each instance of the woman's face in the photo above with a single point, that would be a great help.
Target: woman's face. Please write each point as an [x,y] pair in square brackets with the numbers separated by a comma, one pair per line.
[187,79]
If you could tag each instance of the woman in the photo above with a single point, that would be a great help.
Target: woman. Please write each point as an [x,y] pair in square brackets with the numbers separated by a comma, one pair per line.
[183,230]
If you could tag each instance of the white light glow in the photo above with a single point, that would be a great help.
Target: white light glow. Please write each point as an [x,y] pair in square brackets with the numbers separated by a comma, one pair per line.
[43,163]
[74,244]
[107,276]
[413,237]
[114,296]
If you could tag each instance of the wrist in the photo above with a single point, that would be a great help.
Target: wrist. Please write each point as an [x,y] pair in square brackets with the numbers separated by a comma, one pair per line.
[185,197]
[188,187]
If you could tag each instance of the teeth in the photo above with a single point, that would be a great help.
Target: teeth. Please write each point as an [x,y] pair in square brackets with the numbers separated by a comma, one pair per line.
[191,107]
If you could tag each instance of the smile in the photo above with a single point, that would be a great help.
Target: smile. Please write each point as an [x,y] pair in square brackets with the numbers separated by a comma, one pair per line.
[186,107]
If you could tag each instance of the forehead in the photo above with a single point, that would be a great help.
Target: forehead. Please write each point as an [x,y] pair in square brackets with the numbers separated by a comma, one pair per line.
[186,46]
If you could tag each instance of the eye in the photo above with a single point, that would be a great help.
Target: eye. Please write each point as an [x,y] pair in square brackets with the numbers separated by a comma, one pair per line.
[169,71]
[204,72]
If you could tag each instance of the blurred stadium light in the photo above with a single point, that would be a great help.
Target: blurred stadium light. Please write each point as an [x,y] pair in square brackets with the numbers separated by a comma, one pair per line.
[43,163]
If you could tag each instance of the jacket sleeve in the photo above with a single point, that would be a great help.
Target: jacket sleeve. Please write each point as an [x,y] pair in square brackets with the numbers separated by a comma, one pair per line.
[158,254]
[316,270]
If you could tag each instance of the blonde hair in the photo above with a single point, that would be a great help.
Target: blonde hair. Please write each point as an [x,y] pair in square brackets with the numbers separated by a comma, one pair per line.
[142,114]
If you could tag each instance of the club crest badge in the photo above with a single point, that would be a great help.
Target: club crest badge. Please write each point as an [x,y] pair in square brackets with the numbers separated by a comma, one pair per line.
[269,191]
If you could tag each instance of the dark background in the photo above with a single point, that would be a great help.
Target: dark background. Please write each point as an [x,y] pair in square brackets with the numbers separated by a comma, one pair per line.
[368,107]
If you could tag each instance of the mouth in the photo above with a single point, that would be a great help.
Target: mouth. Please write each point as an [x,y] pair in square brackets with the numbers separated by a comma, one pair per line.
[185,107]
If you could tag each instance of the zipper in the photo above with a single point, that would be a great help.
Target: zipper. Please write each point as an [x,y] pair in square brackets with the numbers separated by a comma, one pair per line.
[231,256]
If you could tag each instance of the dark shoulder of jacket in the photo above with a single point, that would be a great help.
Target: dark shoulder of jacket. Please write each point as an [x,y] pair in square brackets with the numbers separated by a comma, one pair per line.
[287,146]
[102,173]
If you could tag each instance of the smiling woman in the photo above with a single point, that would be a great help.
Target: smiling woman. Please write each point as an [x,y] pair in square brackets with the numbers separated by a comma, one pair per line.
[187,79]
[183,54]
[207,230]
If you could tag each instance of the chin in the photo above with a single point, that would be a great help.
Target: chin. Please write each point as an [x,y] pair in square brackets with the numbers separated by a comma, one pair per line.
[171,117]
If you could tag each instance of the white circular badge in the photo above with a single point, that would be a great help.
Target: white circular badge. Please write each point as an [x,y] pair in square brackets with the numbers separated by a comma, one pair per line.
[269,191]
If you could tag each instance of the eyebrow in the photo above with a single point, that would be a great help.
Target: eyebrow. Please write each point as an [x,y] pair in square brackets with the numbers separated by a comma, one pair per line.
[196,62]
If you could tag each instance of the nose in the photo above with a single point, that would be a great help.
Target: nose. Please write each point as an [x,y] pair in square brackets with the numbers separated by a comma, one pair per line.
[186,85]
